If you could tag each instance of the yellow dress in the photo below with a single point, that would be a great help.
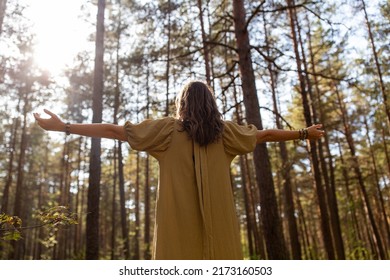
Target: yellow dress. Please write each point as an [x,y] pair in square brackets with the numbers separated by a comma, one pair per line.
[195,211]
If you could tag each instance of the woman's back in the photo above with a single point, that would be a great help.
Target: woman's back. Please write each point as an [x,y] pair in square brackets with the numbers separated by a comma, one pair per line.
[195,212]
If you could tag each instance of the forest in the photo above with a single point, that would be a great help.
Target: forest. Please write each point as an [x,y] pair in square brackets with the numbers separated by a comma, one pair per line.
[272,63]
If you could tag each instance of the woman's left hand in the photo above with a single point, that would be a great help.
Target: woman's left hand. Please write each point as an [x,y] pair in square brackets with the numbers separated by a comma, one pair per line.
[315,132]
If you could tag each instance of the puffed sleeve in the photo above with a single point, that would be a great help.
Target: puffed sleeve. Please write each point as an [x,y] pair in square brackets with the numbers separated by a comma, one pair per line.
[239,139]
[153,136]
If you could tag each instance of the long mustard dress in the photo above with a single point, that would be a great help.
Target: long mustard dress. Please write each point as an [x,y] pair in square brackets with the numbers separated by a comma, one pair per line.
[195,211]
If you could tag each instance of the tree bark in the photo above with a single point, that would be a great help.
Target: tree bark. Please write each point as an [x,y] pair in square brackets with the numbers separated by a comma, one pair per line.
[382,208]
[8,182]
[377,65]
[276,248]
[329,179]
[147,254]
[168,66]
[326,231]
[206,53]
[256,248]
[117,103]
[113,207]
[296,252]
[19,246]
[353,224]
[124,223]
[3,6]
[377,240]
[78,205]
[137,212]
[92,231]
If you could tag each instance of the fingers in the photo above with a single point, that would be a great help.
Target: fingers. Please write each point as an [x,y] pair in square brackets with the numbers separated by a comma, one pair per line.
[322,132]
[315,131]
[37,116]
[51,114]
[316,127]
[48,112]
[52,123]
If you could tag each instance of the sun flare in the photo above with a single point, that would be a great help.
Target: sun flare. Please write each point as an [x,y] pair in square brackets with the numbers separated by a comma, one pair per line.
[60,33]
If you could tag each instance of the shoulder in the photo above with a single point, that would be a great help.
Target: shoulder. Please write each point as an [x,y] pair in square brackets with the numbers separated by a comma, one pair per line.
[155,123]
[233,127]
[150,133]
[239,139]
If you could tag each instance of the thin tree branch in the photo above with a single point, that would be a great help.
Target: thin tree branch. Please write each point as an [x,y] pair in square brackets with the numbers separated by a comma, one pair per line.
[224,89]
[278,115]
[272,61]
[222,45]
[29,227]
[324,19]
[251,17]
[261,107]
[232,107]
[227,71]
[284,8]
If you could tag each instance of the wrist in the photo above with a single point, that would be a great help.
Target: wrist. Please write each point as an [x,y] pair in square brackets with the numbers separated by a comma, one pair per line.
[58,127]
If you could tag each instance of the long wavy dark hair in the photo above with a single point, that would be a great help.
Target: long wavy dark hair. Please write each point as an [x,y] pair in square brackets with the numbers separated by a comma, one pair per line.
[197,109]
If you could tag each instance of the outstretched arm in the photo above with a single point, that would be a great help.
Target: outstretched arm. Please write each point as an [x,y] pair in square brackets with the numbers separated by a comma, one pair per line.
[278,135]
[99,130]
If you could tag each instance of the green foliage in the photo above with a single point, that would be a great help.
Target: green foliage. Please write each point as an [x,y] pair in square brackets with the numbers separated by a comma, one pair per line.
[9,227]
[52,218]
[360,253]
[57,216]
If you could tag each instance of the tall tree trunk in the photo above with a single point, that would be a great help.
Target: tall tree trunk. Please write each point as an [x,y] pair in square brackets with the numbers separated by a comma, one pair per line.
[326,232]
[117,103]
[257,229]
[78,205]
[167,71]
[353,224]
[386,101]
[356,167]
[3,6]
[307,244]
[137,212]
[248,211]
[124,223]
[8,181]
[113,207]
[256,248]
[59,247]
[19,246]
[329,180]
[206,53]
[147,254]
[92,233]
[41,199]
[386,150]
[84,199]
[382,208]
[286,164]
[276,248]
[137,227]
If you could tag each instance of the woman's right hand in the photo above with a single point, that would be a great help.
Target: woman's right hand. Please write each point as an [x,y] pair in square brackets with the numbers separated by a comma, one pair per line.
[54,123]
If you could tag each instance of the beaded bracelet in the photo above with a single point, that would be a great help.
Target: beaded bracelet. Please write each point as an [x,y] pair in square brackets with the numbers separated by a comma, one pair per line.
[67,128]
[303,134]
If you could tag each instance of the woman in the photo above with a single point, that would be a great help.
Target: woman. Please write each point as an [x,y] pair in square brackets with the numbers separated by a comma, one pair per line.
[195,213]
